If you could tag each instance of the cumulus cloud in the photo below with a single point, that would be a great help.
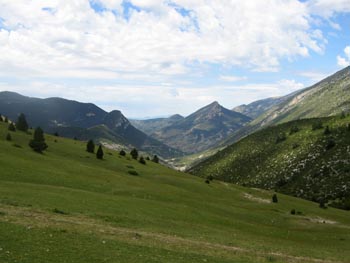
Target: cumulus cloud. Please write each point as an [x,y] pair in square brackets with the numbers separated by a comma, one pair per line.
[232,78]
[158,37]
[344,61]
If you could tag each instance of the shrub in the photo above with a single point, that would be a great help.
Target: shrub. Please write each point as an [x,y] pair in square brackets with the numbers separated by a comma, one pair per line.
[134,154]
[295,145]
[57,211]
[6,119]
[317,125]
[90,146]
[207,181]
[122,153]
[133,172]
[8,137]
[292,212]
[330,144]
[99,153]
[155,159]
[293,130]
[147,158]
[348,127]
[210,177]
[327,131]
[323,204]
[12,127]
[281,137]
[274,198]
[56,134]
[142,160]
[38,142]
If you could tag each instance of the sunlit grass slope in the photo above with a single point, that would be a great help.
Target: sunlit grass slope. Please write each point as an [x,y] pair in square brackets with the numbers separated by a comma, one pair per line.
[67,206]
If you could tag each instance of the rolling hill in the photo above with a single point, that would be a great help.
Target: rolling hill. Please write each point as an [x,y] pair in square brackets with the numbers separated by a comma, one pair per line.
[83,121]
[303,158]
[202,129]
[67,206]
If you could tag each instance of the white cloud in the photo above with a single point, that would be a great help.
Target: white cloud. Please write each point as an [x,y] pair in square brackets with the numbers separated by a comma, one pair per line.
[344,61]
[68,37]
[328,8]
[232,78]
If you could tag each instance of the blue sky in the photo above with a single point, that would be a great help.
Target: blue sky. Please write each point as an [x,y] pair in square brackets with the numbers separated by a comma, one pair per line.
[157,58]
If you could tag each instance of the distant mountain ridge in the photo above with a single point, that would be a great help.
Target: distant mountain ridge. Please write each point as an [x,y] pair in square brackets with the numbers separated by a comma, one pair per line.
[202,129]
[82,120]
[151,126]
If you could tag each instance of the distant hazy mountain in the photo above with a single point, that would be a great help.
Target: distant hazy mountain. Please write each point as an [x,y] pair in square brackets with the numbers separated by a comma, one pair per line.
[202,129]
[151,126]
[256,108]
[82,120]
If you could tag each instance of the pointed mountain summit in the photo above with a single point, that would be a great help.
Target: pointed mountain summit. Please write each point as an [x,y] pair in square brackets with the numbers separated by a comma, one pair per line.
[202,129]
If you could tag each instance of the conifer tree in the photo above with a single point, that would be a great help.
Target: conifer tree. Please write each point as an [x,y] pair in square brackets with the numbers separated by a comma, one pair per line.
[90,146]
[8,137]
[155,159]
[99,153]
[274,198]
[12,127]
[22,124]
[122,153]
[134,154]
[142,160]
[38,142]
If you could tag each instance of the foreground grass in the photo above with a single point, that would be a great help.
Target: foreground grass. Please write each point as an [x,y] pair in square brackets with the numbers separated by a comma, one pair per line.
[67,206]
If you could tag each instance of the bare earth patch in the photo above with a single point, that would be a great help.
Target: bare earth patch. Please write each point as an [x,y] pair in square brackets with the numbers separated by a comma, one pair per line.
[256,199]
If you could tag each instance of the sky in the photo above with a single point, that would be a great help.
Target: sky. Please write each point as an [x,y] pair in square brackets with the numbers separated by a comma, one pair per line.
[151,58]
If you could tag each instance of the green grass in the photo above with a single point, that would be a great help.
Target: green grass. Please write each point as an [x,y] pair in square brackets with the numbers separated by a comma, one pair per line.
[67,206]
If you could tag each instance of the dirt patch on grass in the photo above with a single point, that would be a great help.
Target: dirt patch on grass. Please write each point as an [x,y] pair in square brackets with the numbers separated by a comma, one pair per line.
[256,199]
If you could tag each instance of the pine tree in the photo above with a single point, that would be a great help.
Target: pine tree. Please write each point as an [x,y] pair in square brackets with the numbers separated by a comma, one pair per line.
[142,160]
[90,146]
[8,137]
[22,124]
[155,159]
[122,153]
[99,153]
[134,154]
[12,127]
[274,198]
[38,143]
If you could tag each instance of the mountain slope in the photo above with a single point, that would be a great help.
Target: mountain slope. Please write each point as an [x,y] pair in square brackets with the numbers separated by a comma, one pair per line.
[256,108]
[293,158]
[66,206]
[202,129]
[81,120]
[151,126]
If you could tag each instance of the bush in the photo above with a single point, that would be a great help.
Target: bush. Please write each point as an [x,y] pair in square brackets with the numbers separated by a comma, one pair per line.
[155,159]
[274,198]
[281,137]
[330,144]
[207,181]
[348,127]
[8,137]
[57,211]
[142,160]
[294,129]
[99,153]
[134,154]
[295,145]
[132,172]
[317,125]
[210,177]
[323,204]
[12,127]
[90,146]
[327,131]
[122,153]
[292,212]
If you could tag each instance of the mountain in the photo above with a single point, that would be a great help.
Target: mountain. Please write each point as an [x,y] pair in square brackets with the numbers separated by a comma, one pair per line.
[81,120]
[65,205]
[303,158]
[328,97]
[202,129]
[256,108]
[151,126]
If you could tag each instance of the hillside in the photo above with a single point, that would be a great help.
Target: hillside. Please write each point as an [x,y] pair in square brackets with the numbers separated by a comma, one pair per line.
[151,126]
[81,120]
[67,206]
[292,158]
[203,129]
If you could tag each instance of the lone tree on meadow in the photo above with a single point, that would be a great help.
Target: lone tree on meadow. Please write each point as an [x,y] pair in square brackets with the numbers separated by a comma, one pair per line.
[38,143]
[274,198]
[99,153]
[90,146]
[12,127]
[122,153]
[8,137]
[142,160]
[21,123]
[134,154]
[155,159]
